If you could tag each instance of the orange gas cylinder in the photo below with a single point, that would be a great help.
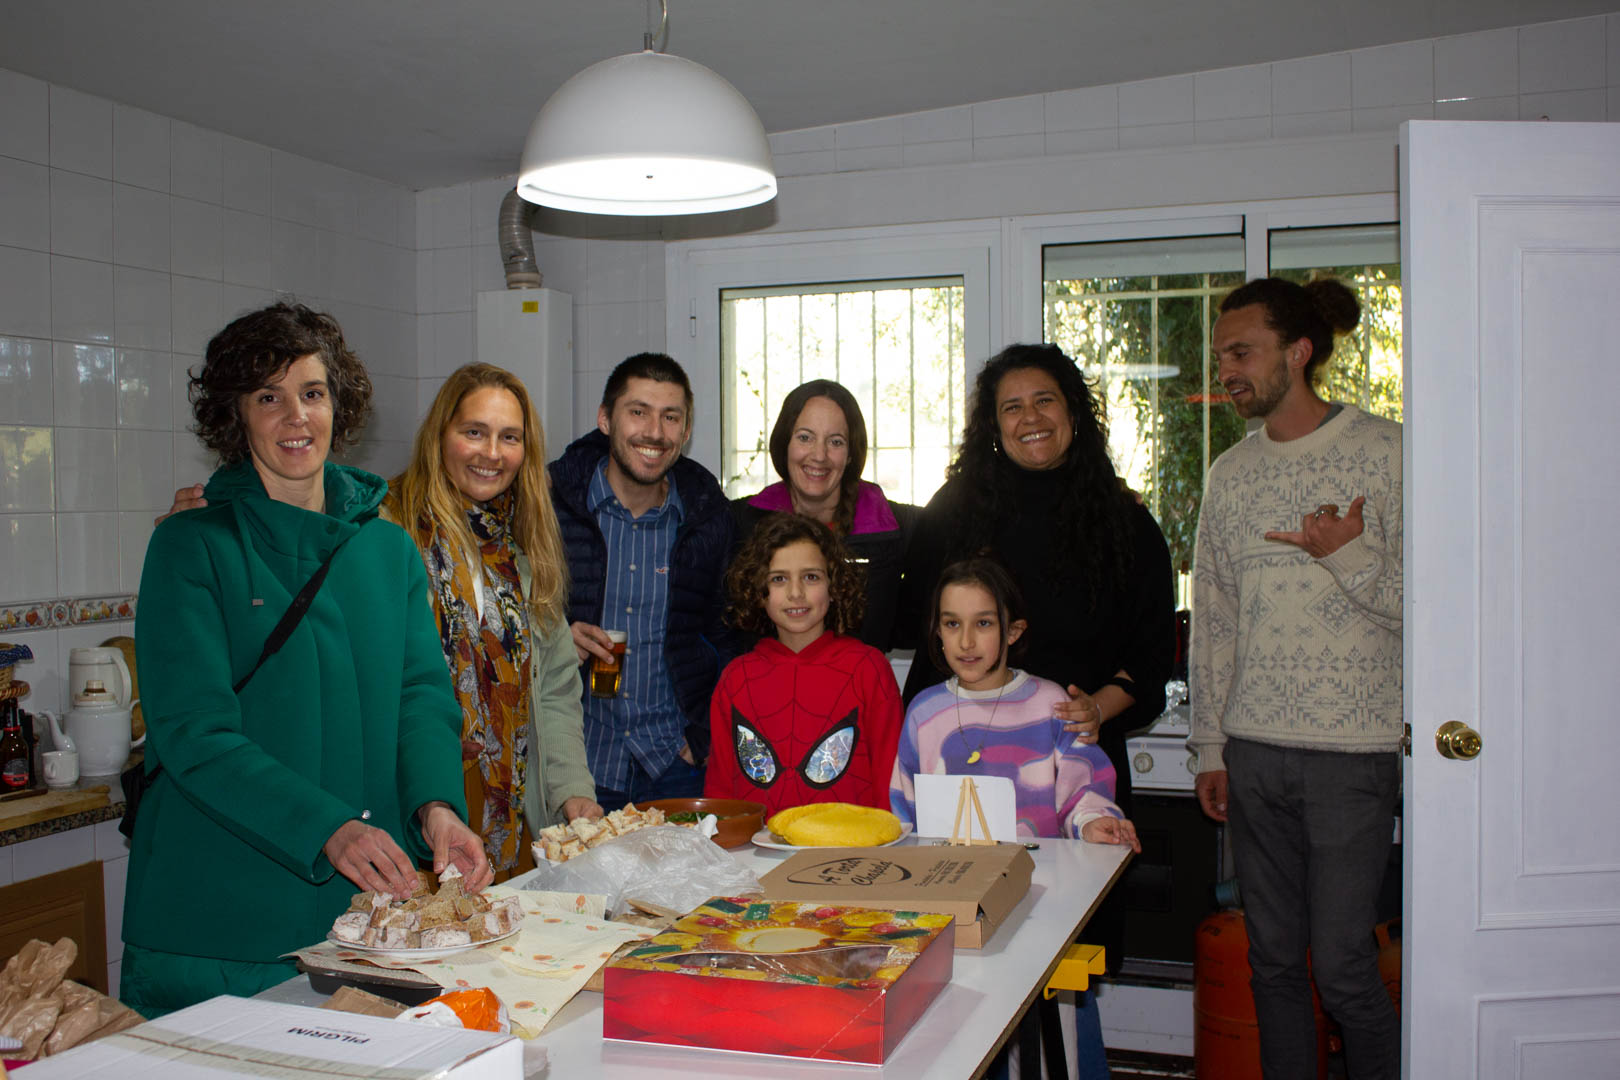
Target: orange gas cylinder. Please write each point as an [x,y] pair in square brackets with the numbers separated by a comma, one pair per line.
[1389,958]
[1226,1036]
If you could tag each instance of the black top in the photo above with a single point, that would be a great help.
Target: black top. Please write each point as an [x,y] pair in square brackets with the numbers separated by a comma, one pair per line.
[1131,627]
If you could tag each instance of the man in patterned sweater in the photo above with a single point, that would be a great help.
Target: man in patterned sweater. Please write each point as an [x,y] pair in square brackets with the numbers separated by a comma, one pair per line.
[1296,678]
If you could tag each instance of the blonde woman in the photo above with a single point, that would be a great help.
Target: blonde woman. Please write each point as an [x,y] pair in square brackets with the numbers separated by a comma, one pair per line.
[476,501]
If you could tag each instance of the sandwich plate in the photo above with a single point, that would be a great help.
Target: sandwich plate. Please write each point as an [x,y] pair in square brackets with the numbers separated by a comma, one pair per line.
[767,839]
[417,954]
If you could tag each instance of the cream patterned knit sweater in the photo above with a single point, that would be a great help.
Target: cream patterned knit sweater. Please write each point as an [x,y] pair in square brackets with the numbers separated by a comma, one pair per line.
[1287,649]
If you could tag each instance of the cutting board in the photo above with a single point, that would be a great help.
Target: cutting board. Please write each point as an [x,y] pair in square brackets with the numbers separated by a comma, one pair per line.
[51,805]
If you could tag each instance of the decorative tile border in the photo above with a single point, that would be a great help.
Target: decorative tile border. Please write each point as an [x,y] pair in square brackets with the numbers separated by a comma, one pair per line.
[66,611]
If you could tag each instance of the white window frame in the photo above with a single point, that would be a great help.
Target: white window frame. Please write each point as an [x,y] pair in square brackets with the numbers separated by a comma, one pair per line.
[998,260]
[697,271]
[1026,237]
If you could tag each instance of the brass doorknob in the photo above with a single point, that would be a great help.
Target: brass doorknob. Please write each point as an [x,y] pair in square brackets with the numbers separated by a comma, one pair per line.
[1457,741]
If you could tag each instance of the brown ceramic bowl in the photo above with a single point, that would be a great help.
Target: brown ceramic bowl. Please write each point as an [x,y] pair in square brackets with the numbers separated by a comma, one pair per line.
[739,818]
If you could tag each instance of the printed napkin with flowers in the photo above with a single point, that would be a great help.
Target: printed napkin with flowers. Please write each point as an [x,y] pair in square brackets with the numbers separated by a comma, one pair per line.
[561,942]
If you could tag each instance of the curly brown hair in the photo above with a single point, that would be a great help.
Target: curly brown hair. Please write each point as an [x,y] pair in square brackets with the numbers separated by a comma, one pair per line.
[750,570]
[256,348]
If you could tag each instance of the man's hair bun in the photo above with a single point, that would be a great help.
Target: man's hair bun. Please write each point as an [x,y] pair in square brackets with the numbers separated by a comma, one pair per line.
[1335,302]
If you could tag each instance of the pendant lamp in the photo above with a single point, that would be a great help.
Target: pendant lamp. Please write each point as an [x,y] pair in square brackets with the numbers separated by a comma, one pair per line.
[647,134]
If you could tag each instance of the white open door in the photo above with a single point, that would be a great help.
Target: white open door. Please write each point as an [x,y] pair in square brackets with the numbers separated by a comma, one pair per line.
[1511,261]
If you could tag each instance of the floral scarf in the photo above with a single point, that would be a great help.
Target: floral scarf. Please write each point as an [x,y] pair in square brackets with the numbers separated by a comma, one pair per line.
[489,668]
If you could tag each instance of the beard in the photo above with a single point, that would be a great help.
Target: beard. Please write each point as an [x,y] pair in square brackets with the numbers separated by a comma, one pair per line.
[1264,396]
[634,466]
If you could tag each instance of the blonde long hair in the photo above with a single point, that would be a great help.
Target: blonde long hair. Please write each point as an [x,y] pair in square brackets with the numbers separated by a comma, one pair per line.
[423,494]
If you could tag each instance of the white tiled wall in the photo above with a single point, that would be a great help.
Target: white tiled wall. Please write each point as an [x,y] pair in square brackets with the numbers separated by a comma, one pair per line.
[1568,70]
[612,267]
[126,241]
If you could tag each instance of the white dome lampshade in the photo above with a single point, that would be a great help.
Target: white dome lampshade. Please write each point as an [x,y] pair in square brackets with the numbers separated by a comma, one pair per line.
[647,134]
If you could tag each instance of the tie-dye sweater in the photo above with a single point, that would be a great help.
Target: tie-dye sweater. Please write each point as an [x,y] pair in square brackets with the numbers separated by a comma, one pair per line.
[1061,784]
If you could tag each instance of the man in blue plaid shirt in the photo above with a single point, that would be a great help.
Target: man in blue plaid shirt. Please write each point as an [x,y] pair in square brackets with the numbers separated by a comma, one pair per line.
[648,536]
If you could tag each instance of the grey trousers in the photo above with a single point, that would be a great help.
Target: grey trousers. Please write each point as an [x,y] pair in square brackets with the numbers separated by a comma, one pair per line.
[1311,833]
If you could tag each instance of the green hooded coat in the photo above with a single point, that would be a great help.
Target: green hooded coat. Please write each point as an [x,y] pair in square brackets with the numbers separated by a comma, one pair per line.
[353,714]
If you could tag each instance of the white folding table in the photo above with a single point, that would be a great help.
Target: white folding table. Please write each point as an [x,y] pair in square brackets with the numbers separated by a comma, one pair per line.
[990,990]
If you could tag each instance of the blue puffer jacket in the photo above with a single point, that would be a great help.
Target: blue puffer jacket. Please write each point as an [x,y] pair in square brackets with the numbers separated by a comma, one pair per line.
[697,644]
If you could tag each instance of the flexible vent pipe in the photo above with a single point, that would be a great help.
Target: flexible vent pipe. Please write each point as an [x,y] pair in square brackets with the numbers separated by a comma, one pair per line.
[517,244]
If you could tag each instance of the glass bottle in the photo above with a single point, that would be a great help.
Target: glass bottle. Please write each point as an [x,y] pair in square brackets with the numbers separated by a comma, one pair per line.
[16,758]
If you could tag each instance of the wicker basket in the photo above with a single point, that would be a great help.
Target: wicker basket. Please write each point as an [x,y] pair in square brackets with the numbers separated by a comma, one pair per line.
[9,655]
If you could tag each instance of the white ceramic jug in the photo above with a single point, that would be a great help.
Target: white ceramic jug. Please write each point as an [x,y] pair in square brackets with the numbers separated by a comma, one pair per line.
[99,726]
[104,665]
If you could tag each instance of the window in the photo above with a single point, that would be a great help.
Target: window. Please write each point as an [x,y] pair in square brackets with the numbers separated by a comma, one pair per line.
[1137,316]
[1366,367]
[896,345]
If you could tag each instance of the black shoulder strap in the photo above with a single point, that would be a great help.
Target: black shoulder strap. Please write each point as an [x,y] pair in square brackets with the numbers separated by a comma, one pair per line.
[136,780]
[289,619]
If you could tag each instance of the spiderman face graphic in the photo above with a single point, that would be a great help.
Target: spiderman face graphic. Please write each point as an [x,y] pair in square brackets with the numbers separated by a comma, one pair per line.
[792,773]
[811,727]
[820,766]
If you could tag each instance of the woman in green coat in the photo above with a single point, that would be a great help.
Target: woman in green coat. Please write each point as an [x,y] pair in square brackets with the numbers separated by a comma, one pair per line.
[334,766]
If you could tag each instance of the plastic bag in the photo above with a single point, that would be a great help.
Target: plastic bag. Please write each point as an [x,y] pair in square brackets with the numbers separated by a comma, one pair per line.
[476,1010]
[666,865]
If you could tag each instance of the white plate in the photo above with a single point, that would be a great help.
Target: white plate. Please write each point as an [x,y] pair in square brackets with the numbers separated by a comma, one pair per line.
[416,954]
[764,839]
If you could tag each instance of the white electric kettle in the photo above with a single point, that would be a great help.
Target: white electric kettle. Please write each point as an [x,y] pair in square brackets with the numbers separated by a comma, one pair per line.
[104,665]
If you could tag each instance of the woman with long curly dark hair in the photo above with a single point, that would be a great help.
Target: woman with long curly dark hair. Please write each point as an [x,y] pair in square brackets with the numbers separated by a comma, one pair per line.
[1033,485]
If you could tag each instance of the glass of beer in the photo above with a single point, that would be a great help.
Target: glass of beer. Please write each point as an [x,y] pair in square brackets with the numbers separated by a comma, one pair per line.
[605,676]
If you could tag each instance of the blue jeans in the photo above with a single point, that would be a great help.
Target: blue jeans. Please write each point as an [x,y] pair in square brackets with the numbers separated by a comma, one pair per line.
[679,781]
[1311,832]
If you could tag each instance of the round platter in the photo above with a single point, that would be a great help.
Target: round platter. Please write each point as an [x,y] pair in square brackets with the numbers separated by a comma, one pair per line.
[409,955]
[765,839]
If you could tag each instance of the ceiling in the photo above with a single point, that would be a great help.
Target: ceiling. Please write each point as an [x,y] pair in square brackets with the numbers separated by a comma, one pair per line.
[427,93]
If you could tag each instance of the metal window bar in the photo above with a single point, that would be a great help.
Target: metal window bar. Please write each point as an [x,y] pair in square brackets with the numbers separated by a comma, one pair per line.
[768,392]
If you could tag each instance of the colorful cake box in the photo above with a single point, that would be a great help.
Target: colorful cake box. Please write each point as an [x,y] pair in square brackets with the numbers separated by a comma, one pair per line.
[773,977]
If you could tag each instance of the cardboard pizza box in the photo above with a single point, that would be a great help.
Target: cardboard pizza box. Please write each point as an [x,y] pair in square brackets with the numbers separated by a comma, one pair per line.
[979,886]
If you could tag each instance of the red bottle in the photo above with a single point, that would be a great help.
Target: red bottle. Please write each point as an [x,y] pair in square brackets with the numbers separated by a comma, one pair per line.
[16,758]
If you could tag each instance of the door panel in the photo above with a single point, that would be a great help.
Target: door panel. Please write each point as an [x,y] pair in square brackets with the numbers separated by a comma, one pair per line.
[1511,257]
[1549,387]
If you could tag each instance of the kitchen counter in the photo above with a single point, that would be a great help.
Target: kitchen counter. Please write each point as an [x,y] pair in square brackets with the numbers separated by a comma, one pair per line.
[92,800]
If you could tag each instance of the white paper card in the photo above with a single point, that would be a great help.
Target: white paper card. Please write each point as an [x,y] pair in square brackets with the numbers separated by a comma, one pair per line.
[937,797]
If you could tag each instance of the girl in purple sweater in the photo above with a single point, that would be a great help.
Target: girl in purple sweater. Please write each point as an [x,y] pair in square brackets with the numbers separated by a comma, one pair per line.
[995,720]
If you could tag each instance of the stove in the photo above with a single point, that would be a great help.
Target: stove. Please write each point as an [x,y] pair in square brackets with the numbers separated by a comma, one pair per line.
[1158,754]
